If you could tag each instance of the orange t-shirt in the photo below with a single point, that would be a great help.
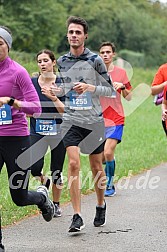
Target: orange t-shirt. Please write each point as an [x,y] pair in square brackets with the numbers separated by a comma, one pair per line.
[112,108]
[161,75]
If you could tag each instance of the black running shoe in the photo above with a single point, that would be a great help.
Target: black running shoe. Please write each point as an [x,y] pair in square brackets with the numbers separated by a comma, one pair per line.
[58,211]
[77,224]
[99,219]
[2,249]
[47,208]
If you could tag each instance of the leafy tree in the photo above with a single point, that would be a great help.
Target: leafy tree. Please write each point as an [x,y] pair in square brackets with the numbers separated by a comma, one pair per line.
[136,25]
[35,24]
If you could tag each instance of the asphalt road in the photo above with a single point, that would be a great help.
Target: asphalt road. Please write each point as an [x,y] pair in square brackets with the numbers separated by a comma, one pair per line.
[136,221]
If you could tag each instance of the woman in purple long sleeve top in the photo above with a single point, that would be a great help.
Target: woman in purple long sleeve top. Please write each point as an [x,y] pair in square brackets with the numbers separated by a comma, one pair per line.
[18,97]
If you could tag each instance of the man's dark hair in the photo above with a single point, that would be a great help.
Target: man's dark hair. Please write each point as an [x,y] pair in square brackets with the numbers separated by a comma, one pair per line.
[78,20]
[107,43]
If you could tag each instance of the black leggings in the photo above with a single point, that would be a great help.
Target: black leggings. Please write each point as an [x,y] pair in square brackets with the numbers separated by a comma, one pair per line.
[58,152]
[164,127]
[18,177]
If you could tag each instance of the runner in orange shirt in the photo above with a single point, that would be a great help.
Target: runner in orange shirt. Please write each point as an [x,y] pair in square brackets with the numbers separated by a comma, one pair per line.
[113,112]
[158,84]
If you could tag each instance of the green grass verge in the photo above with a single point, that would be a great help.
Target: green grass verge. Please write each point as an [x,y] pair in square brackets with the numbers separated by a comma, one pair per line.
[142,147]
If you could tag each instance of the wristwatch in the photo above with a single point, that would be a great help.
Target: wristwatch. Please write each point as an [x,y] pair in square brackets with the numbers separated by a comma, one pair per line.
[11,101]
[123,88]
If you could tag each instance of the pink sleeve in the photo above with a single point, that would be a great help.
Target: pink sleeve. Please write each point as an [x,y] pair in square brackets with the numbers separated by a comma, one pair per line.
[30,102]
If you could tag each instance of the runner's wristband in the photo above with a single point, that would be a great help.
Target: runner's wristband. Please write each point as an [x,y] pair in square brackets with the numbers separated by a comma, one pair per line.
[11,101]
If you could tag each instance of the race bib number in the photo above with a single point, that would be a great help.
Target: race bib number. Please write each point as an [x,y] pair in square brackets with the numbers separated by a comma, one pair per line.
[80,102]
[5,114]
[46,127]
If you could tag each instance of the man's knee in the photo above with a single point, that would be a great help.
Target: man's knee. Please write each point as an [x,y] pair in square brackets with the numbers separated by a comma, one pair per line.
[74,165]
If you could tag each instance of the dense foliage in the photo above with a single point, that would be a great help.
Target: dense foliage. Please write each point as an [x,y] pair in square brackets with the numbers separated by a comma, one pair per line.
[135,25]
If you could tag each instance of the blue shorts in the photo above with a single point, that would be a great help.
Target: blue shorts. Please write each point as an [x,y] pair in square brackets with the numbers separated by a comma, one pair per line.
[114,132]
